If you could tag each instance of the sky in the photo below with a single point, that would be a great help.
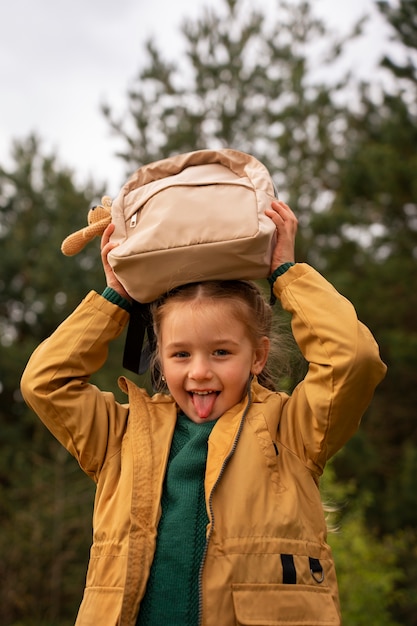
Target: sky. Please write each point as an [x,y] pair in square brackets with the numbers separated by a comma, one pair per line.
[61,59]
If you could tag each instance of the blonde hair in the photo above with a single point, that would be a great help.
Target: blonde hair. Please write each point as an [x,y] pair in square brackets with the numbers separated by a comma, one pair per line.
[248,305]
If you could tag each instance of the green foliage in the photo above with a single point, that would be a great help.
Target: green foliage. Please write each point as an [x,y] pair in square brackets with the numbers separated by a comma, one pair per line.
[402,17]
[363,562]
[369,242]
[45,500]
[244,83]
[46,533]
[368,248]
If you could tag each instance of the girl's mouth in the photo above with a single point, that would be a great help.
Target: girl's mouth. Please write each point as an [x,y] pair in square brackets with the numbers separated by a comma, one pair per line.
[203,402]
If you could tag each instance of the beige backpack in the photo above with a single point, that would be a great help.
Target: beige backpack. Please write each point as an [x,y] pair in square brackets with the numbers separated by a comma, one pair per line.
[192,217]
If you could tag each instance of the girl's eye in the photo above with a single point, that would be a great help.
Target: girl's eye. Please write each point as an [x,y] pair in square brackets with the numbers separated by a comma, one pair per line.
[221,352]
[181,355]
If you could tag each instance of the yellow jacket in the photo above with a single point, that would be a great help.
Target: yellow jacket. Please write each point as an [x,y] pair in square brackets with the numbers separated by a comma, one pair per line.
[266,561]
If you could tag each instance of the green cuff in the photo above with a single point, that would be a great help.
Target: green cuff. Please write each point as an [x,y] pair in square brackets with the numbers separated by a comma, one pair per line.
[115,298]
[275,274]
[279,272]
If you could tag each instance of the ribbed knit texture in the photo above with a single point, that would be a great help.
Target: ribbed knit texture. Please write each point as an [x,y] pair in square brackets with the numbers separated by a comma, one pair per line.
[112,296]
[172,594]
[275,274]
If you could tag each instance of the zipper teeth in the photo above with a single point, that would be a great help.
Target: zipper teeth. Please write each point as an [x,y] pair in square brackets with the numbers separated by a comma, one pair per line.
[222,469]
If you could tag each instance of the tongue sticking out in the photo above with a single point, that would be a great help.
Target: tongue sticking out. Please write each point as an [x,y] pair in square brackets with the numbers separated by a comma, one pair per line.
[204,403]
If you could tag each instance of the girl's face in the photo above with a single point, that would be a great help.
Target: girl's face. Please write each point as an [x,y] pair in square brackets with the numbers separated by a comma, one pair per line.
[207,357]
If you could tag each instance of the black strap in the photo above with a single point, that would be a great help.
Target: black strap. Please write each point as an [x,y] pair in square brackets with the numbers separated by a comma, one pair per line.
[316,570]
[140,339]
[289,574]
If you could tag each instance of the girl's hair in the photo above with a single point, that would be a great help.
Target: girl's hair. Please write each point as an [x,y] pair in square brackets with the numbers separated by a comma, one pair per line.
[248,305]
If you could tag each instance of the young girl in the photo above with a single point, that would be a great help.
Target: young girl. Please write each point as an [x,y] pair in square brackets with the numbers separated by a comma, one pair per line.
[208,510]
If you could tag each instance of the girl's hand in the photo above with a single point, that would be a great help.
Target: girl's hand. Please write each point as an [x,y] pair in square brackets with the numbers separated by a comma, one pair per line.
[106,247]
[286,224]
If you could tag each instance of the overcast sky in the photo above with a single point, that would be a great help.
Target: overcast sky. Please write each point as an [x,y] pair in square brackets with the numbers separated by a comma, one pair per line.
[60,59]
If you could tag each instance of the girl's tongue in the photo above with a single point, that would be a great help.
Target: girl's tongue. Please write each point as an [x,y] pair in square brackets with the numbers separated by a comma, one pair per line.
[204,403]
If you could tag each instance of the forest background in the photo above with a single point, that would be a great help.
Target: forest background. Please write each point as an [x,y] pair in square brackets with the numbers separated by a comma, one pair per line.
[342,152]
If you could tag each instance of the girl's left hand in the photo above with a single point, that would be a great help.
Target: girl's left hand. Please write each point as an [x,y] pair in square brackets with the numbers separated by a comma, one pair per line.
[106,247]
[286,224]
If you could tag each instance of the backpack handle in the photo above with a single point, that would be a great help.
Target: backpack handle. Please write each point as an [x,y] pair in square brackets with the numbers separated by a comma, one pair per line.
[241,163]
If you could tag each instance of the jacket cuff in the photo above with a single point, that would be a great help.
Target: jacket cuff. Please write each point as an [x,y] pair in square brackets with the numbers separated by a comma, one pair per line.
[115,298]
[275,274]
[279,272]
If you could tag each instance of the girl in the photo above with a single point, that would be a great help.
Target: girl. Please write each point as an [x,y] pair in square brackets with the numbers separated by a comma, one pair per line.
[208,510]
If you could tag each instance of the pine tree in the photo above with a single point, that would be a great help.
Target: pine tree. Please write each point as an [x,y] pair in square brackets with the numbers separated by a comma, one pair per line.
[45,500]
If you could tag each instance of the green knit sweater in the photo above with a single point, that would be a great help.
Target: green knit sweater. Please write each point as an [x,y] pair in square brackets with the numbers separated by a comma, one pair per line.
[172,593]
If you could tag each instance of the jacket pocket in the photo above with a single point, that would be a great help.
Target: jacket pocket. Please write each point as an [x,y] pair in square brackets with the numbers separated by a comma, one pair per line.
[279,605]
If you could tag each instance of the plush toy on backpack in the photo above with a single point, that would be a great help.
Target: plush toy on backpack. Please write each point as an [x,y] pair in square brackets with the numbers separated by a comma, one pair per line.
[98,218]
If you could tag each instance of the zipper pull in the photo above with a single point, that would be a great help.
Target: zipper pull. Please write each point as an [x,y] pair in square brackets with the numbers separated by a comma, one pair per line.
[133,220]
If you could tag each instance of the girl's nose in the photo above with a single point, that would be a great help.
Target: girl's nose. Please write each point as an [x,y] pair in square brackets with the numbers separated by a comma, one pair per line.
[199,369]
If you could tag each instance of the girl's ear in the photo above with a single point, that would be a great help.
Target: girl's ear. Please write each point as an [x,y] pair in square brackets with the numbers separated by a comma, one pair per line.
[260,356]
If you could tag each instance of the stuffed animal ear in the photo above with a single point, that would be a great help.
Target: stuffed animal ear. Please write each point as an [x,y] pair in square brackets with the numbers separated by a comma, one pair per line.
[107,202]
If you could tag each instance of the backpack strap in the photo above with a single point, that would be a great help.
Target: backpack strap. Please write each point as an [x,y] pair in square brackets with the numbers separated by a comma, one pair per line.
[140,339]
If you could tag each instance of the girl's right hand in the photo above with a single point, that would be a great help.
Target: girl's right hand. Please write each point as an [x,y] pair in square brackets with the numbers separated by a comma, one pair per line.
[106,247]
[286,224]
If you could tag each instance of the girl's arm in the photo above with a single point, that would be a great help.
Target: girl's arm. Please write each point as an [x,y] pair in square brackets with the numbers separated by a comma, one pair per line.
[55,383]
[325,409]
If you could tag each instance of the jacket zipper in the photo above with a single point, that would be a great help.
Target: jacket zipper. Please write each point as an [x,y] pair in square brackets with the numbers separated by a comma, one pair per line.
[222,470]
